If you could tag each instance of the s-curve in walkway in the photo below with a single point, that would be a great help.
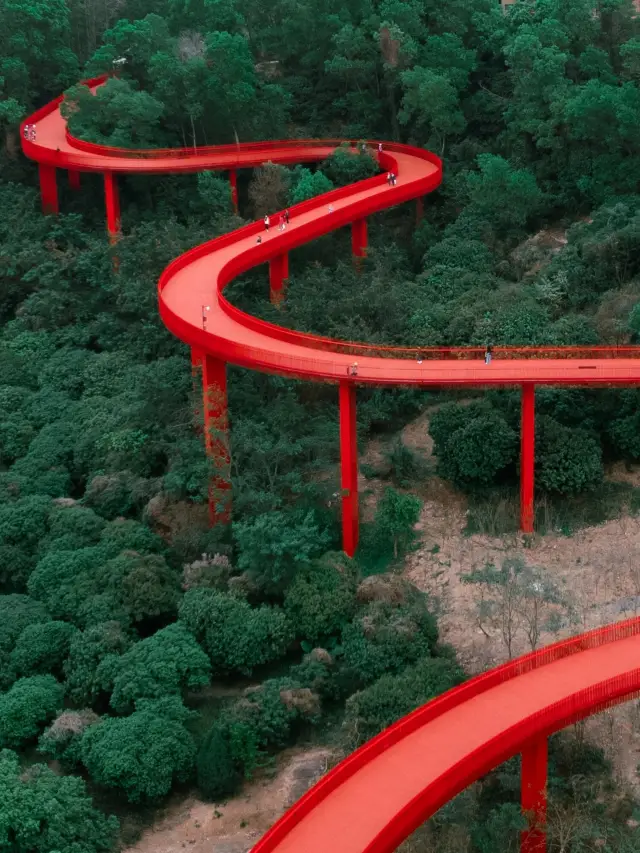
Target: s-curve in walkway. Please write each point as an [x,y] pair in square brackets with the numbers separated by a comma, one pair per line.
[382,792]
[194,308]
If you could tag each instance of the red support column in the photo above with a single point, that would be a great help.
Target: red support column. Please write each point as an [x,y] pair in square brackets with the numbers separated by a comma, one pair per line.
[533,787]
[48,188]
[196,379]
[278,275]
[112,200]
[74,179]
[527,454]
[359,239]
[349,468]
[216,436]
[233,180]
[419,210]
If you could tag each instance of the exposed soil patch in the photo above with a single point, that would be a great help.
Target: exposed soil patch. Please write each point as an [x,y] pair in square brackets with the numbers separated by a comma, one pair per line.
[597,571]
[234,827]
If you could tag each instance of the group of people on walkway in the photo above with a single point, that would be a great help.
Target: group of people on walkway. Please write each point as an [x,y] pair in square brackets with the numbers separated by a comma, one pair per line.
[352,369]
[29,132]
[392,179]
[283,221]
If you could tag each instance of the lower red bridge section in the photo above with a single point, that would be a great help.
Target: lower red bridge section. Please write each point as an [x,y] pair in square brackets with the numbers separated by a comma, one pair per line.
[386,789]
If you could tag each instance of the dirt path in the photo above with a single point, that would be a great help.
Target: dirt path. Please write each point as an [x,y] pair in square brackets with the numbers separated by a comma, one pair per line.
[234,826]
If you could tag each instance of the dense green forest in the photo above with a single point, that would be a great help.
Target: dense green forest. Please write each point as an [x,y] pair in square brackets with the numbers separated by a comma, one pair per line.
[120,610]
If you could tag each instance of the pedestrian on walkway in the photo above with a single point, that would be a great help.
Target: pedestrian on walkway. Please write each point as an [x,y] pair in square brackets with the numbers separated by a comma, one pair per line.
[379,147]
[330,208]
[281,223]
[394,179]
[389,177]
[487,355]
[267,222]
[286,216]
[353,370]
[259,240]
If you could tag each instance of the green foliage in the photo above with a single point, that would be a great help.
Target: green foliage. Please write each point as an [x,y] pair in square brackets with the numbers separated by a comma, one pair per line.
[36,56]
[405,466]
[143,754]
[393,696]
[115,115]
[236,636]
[26,707]
[567,461]
[272,546]
[166,663]
[535,112]
[238,742]
[385,637]
[17,612]
[396,516]
[346,166]
[91,584]
[41,812]
[217,772]
[63,739]
[499,197]
[321,598]
[42,647]
[87,651]
[308,184]
[474,444]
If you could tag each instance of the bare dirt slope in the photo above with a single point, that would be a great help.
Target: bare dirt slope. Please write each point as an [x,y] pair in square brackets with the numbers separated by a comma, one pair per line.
[596,570]
[234,827]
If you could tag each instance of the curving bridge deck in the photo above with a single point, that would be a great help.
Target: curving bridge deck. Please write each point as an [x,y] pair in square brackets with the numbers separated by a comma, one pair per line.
[194,308]
[381,793]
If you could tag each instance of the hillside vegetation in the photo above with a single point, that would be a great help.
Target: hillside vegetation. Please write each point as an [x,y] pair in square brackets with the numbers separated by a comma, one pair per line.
[120,610]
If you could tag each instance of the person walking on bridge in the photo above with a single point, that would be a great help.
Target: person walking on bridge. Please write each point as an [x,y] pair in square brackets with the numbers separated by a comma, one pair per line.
[487,355]
[286,216]
[267,222]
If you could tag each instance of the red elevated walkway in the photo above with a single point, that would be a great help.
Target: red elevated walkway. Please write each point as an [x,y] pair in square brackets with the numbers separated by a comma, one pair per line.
[193,306]
[381,793]
[386,789]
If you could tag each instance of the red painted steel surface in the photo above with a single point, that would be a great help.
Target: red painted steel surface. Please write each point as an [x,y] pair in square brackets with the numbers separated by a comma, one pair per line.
[349,468]
[527,457]
[382,792]
[198,277]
